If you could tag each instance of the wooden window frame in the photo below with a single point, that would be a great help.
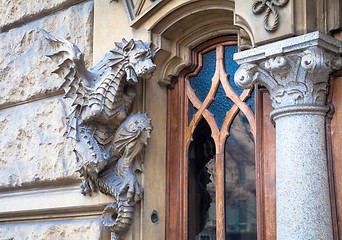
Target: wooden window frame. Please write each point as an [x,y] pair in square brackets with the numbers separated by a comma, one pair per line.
[334,158]
[177,165]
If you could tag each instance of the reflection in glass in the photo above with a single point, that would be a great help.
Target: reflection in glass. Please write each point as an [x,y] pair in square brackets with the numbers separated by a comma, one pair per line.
[241,221]
[201,189]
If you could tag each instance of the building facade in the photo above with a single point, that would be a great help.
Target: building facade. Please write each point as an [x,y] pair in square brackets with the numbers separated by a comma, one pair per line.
[244,102]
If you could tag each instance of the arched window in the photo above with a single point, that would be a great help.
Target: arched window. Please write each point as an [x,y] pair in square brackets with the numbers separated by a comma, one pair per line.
[220,165]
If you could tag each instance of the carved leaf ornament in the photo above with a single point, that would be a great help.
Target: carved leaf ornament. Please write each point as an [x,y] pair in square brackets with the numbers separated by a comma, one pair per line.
[270,6]
[286,77]
[107,142]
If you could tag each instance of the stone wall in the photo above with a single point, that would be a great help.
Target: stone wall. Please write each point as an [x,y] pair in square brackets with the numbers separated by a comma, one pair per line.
[85,230]
[38,186]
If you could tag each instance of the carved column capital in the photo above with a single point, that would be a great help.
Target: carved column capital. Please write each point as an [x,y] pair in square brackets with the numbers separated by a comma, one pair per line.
[294,78]
[296,73]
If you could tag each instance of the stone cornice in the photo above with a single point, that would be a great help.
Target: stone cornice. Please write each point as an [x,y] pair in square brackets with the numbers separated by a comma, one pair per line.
[300,43]
[293,77]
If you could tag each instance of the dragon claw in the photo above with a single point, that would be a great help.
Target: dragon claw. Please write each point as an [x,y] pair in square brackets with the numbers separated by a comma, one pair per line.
[131,189]
[88,187]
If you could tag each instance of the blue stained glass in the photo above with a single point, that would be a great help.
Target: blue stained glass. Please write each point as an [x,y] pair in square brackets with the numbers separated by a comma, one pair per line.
[250,101]
[220,106]
[231,66]
[202,82]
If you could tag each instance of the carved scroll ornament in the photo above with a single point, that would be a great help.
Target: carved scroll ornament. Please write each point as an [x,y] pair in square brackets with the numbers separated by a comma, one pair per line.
[292,79]
[108,144]
[270,6]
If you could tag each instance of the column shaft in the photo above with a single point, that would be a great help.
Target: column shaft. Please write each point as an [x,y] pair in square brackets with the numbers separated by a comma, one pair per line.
[303,204]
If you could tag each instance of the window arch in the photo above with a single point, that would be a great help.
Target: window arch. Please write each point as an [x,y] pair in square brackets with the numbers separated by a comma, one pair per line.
[205,99]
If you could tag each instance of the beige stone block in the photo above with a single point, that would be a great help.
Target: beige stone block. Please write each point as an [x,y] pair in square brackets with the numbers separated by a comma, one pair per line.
[25,71]
[33,147]
[76,230]
[20,11]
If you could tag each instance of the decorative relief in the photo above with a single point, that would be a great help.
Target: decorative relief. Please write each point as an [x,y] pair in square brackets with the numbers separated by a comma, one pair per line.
[292,79]
[259,6]
[138,7]
[108,144]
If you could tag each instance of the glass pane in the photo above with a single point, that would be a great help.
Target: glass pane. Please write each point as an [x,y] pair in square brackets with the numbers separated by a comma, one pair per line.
[220,106]
[202,214]
[231,66]
[241,221]
[202,82]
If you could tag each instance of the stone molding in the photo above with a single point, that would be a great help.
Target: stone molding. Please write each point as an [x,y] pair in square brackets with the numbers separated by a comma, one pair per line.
[48,202]
[299,110]
[174,45]
[290,45]
[296,77]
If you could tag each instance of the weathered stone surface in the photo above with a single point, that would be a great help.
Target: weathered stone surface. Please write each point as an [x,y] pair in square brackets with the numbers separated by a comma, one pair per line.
[91,229]
[33,145]
[12,12]
[25,71]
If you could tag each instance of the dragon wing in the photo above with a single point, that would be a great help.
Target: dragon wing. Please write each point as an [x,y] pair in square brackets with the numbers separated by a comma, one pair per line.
[71,67]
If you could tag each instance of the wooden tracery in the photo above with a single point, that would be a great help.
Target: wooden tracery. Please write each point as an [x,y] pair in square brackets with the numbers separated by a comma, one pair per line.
[219,135]
[180,133]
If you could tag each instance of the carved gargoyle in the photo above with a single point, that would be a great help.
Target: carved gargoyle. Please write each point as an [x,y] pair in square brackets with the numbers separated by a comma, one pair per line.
[108,144]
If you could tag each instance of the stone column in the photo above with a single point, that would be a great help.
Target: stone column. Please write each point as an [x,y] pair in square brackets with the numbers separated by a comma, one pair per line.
[296,73]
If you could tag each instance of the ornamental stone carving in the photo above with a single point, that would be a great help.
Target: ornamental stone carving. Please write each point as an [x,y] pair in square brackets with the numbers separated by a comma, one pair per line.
[107,142]
[270,6]
[292,79]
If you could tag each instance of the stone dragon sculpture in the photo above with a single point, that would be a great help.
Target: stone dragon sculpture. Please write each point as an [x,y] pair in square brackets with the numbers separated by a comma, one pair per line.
[108,144]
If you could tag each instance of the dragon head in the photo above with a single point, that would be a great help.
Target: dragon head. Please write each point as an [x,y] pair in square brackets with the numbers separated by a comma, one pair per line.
[137,59]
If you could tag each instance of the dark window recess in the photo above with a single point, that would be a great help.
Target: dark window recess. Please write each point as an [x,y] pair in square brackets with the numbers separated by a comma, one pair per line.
[201,152]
